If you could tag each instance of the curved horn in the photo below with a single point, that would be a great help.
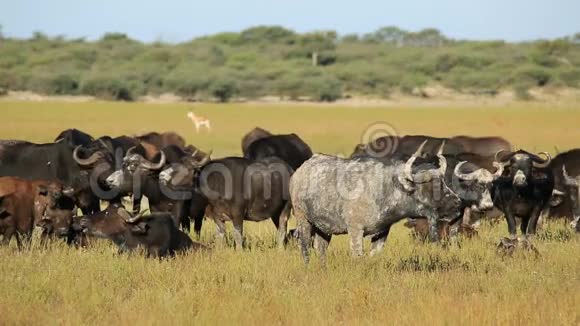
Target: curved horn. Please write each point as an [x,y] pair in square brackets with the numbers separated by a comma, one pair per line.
[499,169]
[136,218]
[204,160]
[154,166]
[85,161]
[442,160]
[407,171]
[568,180]
[465,176]
[130,151]
[496,157]
[102,142]
[544,163]
[440,151]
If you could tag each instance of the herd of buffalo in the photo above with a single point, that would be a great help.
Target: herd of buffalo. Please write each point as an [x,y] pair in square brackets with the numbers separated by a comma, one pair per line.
[442,186]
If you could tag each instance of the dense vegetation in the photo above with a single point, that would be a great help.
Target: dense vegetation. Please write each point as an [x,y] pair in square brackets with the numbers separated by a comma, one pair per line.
[274,61]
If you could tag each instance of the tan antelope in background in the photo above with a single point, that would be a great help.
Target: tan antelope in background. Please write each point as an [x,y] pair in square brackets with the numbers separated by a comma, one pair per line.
[199,121]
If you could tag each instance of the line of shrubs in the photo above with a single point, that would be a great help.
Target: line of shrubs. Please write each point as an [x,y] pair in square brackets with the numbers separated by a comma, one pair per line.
[274,61]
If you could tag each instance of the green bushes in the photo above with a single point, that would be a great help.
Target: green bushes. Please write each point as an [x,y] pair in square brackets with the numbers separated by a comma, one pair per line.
[324,89]
[107,88]
[58,84]
[272,60]
[223,89]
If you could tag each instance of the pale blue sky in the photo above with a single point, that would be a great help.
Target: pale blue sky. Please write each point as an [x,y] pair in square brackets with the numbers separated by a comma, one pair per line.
[179,20]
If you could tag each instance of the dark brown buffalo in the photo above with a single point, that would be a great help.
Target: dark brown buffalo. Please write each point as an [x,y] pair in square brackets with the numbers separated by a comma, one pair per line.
[385,147]
[155,233]
[163,140]
[252,136]
[484,146]
[24,203]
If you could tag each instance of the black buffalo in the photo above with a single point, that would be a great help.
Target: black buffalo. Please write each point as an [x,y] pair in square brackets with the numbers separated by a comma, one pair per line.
[252,136]
[139,176]
[524,189]
[566,169]
[74,137]
[100,158]
[290,148]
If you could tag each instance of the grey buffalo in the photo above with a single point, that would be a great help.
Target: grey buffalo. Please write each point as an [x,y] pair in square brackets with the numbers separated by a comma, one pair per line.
[365,197]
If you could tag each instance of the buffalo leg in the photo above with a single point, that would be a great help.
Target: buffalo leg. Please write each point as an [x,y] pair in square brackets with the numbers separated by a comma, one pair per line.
[220,230]
[433,229]
[511,222]
[26,239]
[18,241]
[178,215]
[466,219]
[524,225]
[197,224]
[8,233]
[136,205]
[534,220]
[305,232]
[322,242]
[5,239]
[283,225]
[356,241]
[378,241]
[238,232]
[185,218]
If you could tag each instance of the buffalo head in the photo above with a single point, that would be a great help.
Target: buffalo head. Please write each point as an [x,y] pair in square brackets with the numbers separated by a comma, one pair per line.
[476,185]
[521,163]
[134,166]
[54,208]
[428,184]
[112,223]
[183,174]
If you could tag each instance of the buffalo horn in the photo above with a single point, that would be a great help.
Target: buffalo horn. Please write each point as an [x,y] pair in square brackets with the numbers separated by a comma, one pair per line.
[85,161]
[154,166]
[543,163]
[567,178]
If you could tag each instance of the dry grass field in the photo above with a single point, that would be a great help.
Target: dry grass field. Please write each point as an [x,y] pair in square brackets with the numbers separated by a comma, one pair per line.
[409,283]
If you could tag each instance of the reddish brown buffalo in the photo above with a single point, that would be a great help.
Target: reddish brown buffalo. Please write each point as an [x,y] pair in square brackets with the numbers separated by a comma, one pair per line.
[24,203]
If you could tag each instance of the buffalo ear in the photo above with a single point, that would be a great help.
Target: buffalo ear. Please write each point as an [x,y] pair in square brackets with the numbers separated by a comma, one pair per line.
[42,190]
[139,228]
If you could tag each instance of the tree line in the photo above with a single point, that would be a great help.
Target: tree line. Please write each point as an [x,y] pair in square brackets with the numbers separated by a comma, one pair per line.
[275,61]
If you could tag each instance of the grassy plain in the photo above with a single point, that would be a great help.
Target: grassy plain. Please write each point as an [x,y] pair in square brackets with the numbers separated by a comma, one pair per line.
[410,283]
